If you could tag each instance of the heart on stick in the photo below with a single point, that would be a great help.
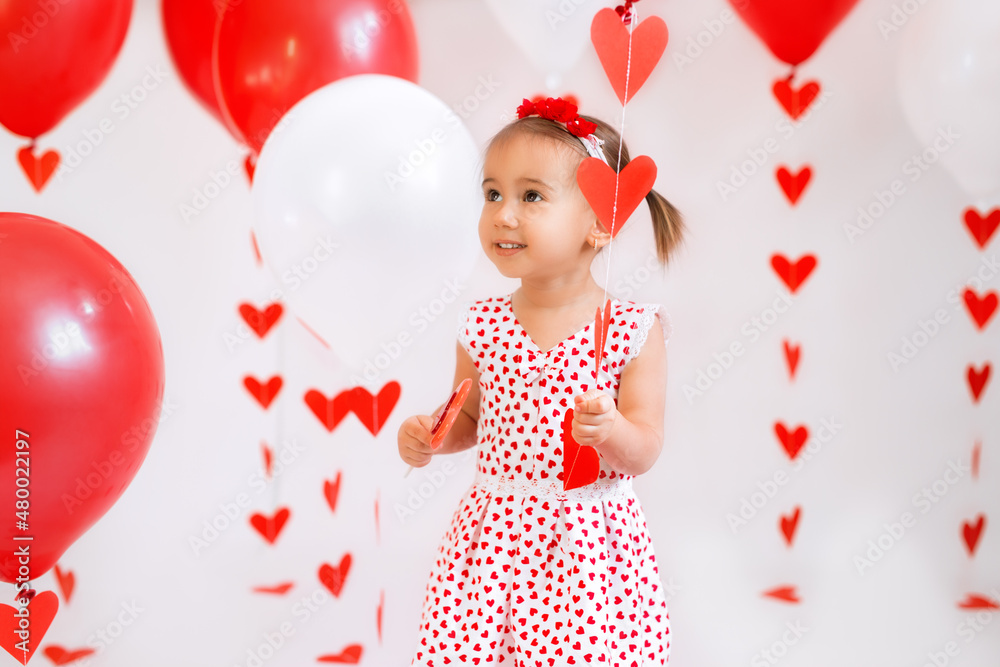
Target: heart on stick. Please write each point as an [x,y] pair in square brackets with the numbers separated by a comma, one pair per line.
[597,182]
[601,324]
[581,463]
[611,41]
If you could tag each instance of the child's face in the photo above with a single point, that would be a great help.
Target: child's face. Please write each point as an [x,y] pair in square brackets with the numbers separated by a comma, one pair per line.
[531,199]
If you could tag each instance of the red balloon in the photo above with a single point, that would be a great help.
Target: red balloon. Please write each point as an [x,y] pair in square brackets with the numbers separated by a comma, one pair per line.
[792,29]
[189,26]
[269,54]
[81,383]
[53,55]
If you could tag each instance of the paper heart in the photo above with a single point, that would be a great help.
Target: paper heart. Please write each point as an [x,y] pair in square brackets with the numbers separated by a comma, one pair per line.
[977,380]
[256,248]
[611,41]
[351,655]
[789,524]
[795,274]
[791,442]
[279,589]
[378,614]
[334,577]
[331,489]
[250,165]
[268,459]
[41,611]
[982,227]
[784,593]
[793,185]
[980,309]
[792,353]
[975,601]
[601,323]
[270,527]
[329,411]
[38,170]
[971,533]
[974,463]
[581,463]
[597,183]
[260,322]
[60,656]
[795,102]
[66,581]
[374,411]
[264,393]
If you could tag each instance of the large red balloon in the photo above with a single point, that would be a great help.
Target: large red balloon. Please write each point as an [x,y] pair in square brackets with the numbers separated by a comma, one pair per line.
[793,29]
[81,385]
[189,26]
[53,55]
[269,54]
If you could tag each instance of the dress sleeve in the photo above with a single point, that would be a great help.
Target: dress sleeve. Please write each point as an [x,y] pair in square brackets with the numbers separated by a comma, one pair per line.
[468,337]
[644,322]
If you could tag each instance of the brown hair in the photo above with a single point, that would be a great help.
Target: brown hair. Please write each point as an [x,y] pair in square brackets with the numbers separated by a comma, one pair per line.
[668,223]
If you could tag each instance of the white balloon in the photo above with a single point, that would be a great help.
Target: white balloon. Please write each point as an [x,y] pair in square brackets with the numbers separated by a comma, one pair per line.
[366,208]
[552,33]
[948,76]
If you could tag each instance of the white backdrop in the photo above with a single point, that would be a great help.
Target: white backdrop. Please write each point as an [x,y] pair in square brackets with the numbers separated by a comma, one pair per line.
[894,431]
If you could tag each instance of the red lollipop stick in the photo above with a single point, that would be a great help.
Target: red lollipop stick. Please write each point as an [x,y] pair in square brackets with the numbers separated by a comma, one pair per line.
[446,419]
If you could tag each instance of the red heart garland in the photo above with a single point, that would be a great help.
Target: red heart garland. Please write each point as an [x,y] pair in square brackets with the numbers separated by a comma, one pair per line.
[374,411]
[980,309]
[977,380]
[256,248]
[66,581]
[784,593]
[264,393]
[597,183]
[974,462]
[795,102]
[268,459]
[974,601]
[982,227]
[789,524]
[601,324]
[38,170]
[329,411]
[581,463]
[378,614]
[334,577]
[250,165]
[270,527]
[60,656]
[261,322]
[351,655]
[971,533]
[42,609]
[793,274]
[279,589]
[792,357]
[611,41]
[791,442]
[331,489]
[793,184]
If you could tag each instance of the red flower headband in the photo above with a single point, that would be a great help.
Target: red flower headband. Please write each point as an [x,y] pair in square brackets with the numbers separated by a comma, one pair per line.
[560,111]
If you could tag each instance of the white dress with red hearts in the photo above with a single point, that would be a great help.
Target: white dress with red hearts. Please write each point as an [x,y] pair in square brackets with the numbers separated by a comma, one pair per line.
[528,574]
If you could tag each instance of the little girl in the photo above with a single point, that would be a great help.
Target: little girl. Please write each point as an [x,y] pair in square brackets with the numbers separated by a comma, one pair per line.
[530,574]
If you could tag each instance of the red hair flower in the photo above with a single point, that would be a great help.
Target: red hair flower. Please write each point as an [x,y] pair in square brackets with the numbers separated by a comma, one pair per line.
[580,127]
[559,110]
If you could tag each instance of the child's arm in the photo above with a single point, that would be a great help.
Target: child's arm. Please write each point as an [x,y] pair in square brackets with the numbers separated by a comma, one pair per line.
[414,434]
[630,436]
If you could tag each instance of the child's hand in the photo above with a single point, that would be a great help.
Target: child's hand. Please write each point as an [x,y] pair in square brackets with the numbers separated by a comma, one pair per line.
[594,414]
[414,438]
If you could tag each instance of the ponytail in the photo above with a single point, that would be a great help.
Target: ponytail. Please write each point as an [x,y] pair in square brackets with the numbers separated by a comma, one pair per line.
[668,225]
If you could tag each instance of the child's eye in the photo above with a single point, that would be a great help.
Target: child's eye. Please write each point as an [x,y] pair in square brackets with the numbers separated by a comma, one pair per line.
[532,196]
[492,195]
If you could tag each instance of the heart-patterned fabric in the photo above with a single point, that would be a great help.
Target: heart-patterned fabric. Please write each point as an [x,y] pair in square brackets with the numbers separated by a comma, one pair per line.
[527,573]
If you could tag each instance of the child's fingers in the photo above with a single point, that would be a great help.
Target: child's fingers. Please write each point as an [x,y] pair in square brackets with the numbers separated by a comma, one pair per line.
[418,434]
[593,402]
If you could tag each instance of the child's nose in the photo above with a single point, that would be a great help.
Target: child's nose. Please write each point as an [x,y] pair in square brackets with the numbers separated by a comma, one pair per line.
[506,215]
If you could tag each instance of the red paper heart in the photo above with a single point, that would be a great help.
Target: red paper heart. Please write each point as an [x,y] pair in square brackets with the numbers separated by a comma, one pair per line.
[981,309]
[597,183]
[349,656]
[378,614]
[785,593]
[261,322]
[279,589]
[41,610]
[270,527]
[971,533]
[331,489]
[975,601]
[792,357]
[264,393]
[791,442]
[60,656]
[268,459]
[581,463]
[601,324]
[789,524]
[250,165]
[982,227]
[611,41]
[793,274]
[374,411]
[256,248]
[978,379]
[66,581]
[795,102]
[334,577]
[38,170]
[974,464]
[793,185]
[329,411]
